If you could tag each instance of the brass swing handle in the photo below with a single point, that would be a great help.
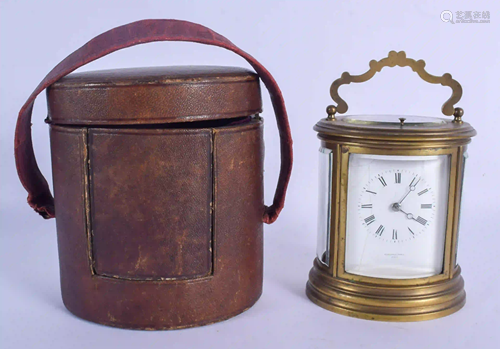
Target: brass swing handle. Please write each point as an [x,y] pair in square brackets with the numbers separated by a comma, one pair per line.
[398,58]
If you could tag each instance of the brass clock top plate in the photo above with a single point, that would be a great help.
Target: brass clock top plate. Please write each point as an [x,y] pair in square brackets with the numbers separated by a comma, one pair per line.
[394,128]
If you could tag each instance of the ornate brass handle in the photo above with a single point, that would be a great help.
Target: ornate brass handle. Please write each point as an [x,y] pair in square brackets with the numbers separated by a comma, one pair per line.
[398,58]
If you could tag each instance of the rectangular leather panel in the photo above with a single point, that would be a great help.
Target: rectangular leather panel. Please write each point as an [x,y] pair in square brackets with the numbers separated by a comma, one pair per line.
[69,149]
[239,207]
[150,199]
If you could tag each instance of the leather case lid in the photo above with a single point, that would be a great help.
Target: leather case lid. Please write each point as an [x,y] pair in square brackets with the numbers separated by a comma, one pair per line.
[154,95]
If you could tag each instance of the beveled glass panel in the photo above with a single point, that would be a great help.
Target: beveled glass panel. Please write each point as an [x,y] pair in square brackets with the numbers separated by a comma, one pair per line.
[324,205]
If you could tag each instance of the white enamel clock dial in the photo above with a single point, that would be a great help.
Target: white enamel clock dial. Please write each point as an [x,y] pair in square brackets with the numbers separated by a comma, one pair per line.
[396,215]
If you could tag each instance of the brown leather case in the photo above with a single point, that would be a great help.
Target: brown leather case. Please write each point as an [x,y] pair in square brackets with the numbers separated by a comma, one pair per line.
[158,188]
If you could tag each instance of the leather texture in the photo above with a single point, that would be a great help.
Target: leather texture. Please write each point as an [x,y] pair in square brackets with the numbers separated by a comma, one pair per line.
[154,95]
[150,197]
[39,196]
[168,276]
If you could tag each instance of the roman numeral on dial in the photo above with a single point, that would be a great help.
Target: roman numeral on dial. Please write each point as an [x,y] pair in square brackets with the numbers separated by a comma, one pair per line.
[423,192]
[411,231]
[371,192]
[397,177]
[382,180]
[413,183]
[426,206]
[421,220]
[367,206]
[380,230]
[370,219]
[394,234]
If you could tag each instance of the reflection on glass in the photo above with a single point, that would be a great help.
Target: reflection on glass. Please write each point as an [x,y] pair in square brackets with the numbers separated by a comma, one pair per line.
[324,205]
[460,208]
[392,119]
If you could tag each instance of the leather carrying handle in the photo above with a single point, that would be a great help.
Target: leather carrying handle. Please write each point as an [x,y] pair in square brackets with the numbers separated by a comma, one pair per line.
[140,32]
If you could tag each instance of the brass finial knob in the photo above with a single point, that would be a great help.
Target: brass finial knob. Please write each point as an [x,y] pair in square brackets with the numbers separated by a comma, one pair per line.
[458,113]
[331,110]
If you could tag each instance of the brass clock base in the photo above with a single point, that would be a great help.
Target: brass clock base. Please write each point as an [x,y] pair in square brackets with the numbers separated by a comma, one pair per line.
[386,303]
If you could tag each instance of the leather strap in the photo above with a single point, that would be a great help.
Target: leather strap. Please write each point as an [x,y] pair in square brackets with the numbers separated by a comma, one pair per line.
[140,32]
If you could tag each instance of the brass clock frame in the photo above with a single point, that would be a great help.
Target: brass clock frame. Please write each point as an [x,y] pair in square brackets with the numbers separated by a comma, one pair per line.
[330,286]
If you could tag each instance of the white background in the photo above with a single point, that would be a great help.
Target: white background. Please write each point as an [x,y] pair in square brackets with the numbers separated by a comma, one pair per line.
[306,45]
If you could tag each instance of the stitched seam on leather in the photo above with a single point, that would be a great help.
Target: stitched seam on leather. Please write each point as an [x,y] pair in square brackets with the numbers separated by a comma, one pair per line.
[212,202]
[87,199]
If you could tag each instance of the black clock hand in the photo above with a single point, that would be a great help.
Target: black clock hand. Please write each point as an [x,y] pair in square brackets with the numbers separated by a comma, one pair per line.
[410,189]
[404,197]
[408,215]
[397,207]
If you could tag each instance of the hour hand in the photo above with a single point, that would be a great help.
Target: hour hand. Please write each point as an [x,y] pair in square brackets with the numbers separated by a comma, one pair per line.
[397,207]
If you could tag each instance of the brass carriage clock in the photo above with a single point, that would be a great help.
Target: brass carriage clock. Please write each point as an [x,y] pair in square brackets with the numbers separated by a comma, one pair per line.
[390,191]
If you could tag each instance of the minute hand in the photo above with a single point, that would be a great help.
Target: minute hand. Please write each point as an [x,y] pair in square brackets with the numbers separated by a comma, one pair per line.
[411,188]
